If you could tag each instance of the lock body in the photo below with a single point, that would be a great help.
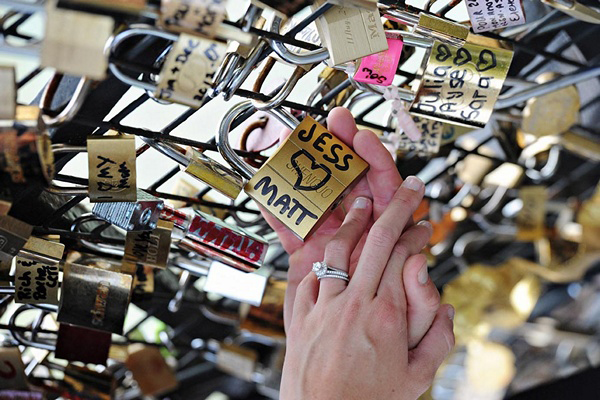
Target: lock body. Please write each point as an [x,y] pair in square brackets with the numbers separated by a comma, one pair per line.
[380,68]
[235,360]
[531,219]
[141,215]
[189,70]
[215,175]
[11,361]
[197,17]
[8,93]
[13,235]
[75,343]
[487,16]
[150,247]
[150,370]
[94,298]
[112,168]
[461,85]
[308,176]
[89,383]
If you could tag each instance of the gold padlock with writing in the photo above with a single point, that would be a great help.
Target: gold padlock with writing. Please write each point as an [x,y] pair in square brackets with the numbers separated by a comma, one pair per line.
[307,177]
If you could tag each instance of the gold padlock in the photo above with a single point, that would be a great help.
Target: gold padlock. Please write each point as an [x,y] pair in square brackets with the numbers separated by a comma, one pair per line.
[531,219]
[150,247]
[460,85]
[350,33]
[150,370]
[307,177]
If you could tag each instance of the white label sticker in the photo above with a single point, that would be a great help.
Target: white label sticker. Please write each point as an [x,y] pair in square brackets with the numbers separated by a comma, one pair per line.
[488,15]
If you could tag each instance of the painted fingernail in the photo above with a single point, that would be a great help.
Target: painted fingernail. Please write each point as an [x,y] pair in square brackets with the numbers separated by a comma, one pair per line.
[361,202]
[413,183]
[422,275]
[426,224]
[451,313]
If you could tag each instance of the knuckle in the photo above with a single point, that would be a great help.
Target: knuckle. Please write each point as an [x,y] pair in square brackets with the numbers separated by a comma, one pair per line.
[338,248]
[381,236]
[401,251]
[432,300]
[352,309]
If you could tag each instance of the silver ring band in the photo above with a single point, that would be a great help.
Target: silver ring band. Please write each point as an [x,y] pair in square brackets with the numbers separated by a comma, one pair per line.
[322,270]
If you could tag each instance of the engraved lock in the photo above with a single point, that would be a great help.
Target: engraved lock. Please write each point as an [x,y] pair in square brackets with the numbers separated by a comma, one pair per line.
[350,33]
[111,168]
[308,176]
[461,85]
[36,273]
[380,68]
[188,71]
[8,93]
[89,383]
[94,297]
[234,360]
[75,343]
[532,216]
[150,247]
[141,215]
[12,373]
[219,240]
[150,370]
[74,42]
[13,235]
[487,16]
[203,168]
[26,158]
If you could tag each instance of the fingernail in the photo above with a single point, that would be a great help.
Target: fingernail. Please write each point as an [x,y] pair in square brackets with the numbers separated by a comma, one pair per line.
[451,313]
[422,275]
[413,183]
[361,202]
[426,224]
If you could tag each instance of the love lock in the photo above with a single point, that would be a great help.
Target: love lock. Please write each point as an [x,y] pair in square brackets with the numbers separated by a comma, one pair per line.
[308,176]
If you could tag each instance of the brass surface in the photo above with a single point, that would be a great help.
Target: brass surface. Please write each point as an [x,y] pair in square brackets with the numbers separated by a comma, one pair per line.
[222,179]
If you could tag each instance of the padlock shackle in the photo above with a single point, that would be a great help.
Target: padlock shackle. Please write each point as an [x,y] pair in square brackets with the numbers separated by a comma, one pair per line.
[73,106]
[241,73]
[282,94]
[112,250]
[19,337]
[225,148]
[118,39]
[310,57]
[168,149]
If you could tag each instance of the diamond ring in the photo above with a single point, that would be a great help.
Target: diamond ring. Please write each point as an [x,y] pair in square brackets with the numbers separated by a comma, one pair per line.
[322,270]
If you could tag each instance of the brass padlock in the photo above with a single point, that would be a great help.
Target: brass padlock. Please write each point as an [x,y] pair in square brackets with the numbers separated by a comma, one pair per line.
[307,177]
[460,85]
[36,273]
[8,93]
[74,42]
[89,383]
[75,343]
[234,360]
[150,247]
[532,217]
[13,235]
[141,215]
[94,298]
[219,240]
[576,10]
[143,282]
[12,369]
[430,26]
[150,370]
[589,218]
[186,189]
[350,33]
[188,71]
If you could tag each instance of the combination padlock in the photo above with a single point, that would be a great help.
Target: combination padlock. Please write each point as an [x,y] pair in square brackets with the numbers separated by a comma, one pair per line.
[308,176]
[188,71]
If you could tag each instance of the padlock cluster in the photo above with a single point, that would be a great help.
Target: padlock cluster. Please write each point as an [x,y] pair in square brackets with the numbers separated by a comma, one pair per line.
[113,290]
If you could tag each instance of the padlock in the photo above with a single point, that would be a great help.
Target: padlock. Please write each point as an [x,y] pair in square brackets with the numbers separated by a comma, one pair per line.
[36,273]
[8,93]
[460,85]
[532,216]
[234,284]
[553,113]
[25,158]
[507,175]
[435,134]
[308,176]
[241,362]
[473,169]
[13,235]
[380,68]
[94,298]
[143,282]
[576,10]
[203,168]
[267,318]
[188,71]
[150,248]
[487,16]
[87,383]
[74,42]
[217,239]
[111,166]
[12,369]
[141,215]
[186,189]
[150,370]
[75,343]
[330,78]
[350,33]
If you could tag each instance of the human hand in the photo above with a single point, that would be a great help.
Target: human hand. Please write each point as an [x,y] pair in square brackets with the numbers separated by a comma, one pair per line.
[354,341]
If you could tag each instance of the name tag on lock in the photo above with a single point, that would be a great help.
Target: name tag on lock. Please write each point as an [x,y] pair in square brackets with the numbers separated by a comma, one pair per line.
[488,15]
[150,247]
[189,70]
[308,176]
[380,68]
[461,85]
[36,274]
[112,168]
[201,17]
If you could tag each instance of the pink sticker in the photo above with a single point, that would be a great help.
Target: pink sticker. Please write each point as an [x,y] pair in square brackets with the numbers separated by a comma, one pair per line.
[380,68]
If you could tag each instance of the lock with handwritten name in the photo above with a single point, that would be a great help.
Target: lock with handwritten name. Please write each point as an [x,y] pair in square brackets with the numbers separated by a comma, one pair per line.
[460,85]
[150,247]
[380,68]
[308,176]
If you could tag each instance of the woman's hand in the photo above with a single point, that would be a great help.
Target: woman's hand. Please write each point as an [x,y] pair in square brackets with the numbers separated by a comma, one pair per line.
[355,340]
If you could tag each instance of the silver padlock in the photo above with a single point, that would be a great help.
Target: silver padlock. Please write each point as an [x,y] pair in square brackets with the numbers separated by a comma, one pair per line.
[141,215]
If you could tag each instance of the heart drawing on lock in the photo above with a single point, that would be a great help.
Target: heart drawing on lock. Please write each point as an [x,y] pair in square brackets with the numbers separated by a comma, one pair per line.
[443,53]
[487,60]
[463,56]
[314,166]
